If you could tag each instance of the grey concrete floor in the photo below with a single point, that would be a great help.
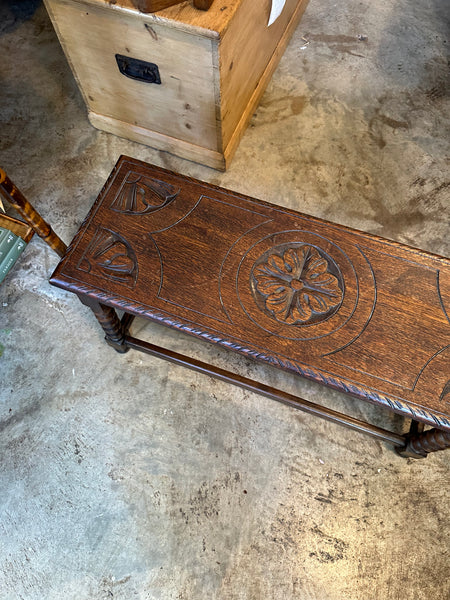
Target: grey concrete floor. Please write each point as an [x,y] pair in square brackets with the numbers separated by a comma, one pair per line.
[125,477]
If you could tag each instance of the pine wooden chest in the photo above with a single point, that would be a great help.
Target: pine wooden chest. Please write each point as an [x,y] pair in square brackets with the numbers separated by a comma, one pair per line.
[181,80]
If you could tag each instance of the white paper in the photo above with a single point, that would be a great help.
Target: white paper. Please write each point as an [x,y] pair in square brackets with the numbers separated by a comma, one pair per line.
[275,11]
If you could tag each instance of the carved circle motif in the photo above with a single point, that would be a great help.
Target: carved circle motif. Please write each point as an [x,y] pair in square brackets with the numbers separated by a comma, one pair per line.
[297,284]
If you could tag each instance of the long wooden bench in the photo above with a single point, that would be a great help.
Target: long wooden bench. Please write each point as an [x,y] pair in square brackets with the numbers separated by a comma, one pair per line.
[346,309]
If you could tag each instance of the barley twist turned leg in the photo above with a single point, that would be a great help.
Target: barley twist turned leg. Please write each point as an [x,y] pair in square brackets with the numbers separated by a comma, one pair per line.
[421,444]
[110,322]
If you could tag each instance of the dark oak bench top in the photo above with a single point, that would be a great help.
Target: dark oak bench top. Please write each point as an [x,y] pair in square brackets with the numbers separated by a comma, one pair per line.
[355,312]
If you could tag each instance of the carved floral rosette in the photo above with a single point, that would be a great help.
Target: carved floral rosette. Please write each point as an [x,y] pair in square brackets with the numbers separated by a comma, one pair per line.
[297,284]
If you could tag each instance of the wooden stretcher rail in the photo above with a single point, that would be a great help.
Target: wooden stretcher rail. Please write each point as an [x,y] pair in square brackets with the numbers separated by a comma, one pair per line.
[267,391]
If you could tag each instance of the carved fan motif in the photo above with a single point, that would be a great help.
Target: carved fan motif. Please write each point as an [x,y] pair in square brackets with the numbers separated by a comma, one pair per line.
[446,392]
[110,256]
[140,195]
[297,284]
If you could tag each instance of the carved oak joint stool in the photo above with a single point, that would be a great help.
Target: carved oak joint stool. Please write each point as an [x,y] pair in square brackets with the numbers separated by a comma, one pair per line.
[357,313]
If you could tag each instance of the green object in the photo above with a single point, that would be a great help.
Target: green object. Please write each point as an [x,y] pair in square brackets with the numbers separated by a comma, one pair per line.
[6,242]
[3,233]
[13,250]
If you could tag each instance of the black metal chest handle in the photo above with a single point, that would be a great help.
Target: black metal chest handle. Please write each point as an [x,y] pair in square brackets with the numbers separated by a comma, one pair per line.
[140,70]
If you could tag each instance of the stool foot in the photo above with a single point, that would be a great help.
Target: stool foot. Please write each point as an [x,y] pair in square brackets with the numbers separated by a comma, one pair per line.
[419,445]
[110,322]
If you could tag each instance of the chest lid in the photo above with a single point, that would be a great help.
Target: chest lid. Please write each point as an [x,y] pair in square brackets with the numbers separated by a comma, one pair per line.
[212,23]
